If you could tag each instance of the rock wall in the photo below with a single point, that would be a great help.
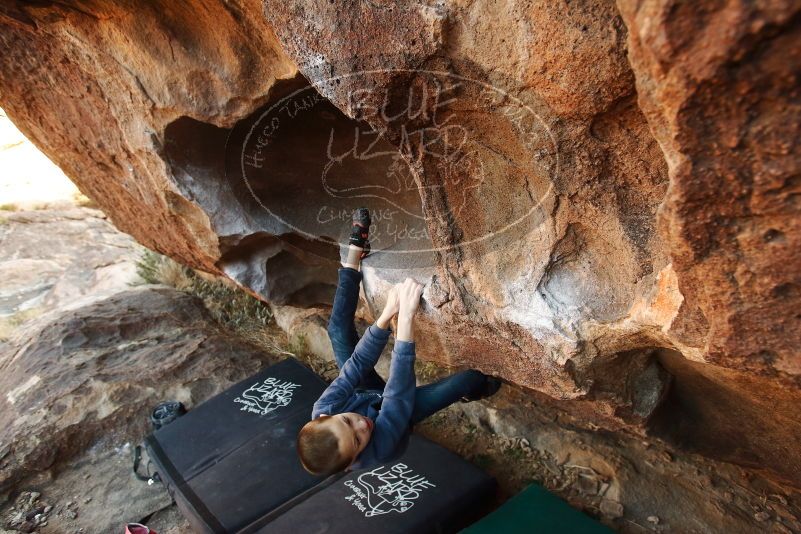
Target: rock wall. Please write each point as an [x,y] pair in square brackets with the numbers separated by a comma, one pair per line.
[720,89]
[95,84]
[602,199]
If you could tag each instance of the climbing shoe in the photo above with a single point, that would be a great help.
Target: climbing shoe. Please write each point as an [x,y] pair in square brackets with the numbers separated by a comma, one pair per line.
[360,228]
[490,388]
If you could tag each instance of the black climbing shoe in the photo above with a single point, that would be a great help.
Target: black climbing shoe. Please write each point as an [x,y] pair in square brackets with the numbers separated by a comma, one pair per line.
[491,387]
[360,230]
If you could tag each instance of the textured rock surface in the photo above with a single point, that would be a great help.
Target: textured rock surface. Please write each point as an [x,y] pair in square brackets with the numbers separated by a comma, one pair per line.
[60,259]
[720,87]
[626,481]
[106,80]
[647,152]
[92,374]
[81,492]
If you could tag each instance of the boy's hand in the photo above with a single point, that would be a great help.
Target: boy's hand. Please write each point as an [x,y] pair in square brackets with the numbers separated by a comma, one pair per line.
[390,308]
[409,292]
[409,296]
[393,303]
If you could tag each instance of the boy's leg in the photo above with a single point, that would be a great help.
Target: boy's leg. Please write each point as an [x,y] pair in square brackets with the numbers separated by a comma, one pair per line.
[358,244]
[433,397]
[341,328]
[353,258]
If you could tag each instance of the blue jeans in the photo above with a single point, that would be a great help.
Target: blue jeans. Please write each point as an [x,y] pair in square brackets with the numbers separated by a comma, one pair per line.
[342,333]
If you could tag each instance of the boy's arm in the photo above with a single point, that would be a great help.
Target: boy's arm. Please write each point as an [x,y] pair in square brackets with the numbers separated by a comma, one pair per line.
[393,418]
[396,408]
[364,358]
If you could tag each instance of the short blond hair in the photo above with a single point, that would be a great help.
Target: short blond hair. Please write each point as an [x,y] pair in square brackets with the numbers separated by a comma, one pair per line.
[318,449]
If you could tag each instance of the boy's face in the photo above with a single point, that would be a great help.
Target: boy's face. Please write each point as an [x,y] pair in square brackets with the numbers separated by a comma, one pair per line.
[353,432]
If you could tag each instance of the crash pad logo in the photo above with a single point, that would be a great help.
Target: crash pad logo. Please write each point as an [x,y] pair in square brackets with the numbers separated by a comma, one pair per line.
[387,489]
[264,397]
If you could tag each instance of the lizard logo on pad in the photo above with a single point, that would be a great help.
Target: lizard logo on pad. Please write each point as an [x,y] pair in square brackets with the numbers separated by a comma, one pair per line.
[387,489]
[264,397]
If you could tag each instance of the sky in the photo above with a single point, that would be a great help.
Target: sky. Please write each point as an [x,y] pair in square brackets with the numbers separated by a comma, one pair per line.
[27,178]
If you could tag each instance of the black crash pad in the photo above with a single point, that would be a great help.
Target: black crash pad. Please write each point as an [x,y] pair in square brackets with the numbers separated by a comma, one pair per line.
[231,466]
[429,489]
[231,460]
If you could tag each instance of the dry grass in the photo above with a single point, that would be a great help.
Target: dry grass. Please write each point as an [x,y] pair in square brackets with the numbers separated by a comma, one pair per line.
[428,371]
[297,347]
[81,200]
[10,323]
[232,308]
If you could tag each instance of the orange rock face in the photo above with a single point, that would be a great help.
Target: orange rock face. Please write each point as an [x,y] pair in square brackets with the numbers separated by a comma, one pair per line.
[603,200]
[720,89]
[95,85]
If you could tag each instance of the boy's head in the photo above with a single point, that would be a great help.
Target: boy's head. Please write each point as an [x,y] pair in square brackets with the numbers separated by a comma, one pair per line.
[331,443]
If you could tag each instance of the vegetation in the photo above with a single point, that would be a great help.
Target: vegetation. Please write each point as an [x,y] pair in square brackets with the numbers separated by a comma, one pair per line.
[9,323]
[232,308]
[298,347]
[427,371]
[483,461]
[79,199]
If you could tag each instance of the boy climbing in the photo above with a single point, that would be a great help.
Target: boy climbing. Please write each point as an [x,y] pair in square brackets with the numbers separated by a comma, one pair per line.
[360,420]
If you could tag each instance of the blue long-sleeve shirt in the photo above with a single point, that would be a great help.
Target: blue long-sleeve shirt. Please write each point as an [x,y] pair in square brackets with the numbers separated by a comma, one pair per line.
[390,411]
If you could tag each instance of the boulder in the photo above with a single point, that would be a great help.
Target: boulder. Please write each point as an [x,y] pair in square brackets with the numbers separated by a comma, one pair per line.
[61,258]
[116,76]
[587,190]
[91,375]
[720,88]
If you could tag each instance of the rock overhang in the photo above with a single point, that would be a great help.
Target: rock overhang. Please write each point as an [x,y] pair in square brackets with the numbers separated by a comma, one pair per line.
[612,260]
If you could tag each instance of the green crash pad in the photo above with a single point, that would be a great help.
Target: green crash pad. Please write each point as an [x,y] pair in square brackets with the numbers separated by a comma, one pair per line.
[535,510]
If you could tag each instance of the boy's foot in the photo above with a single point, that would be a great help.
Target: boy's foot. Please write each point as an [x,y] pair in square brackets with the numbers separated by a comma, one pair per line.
[490,388]
[360,229]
